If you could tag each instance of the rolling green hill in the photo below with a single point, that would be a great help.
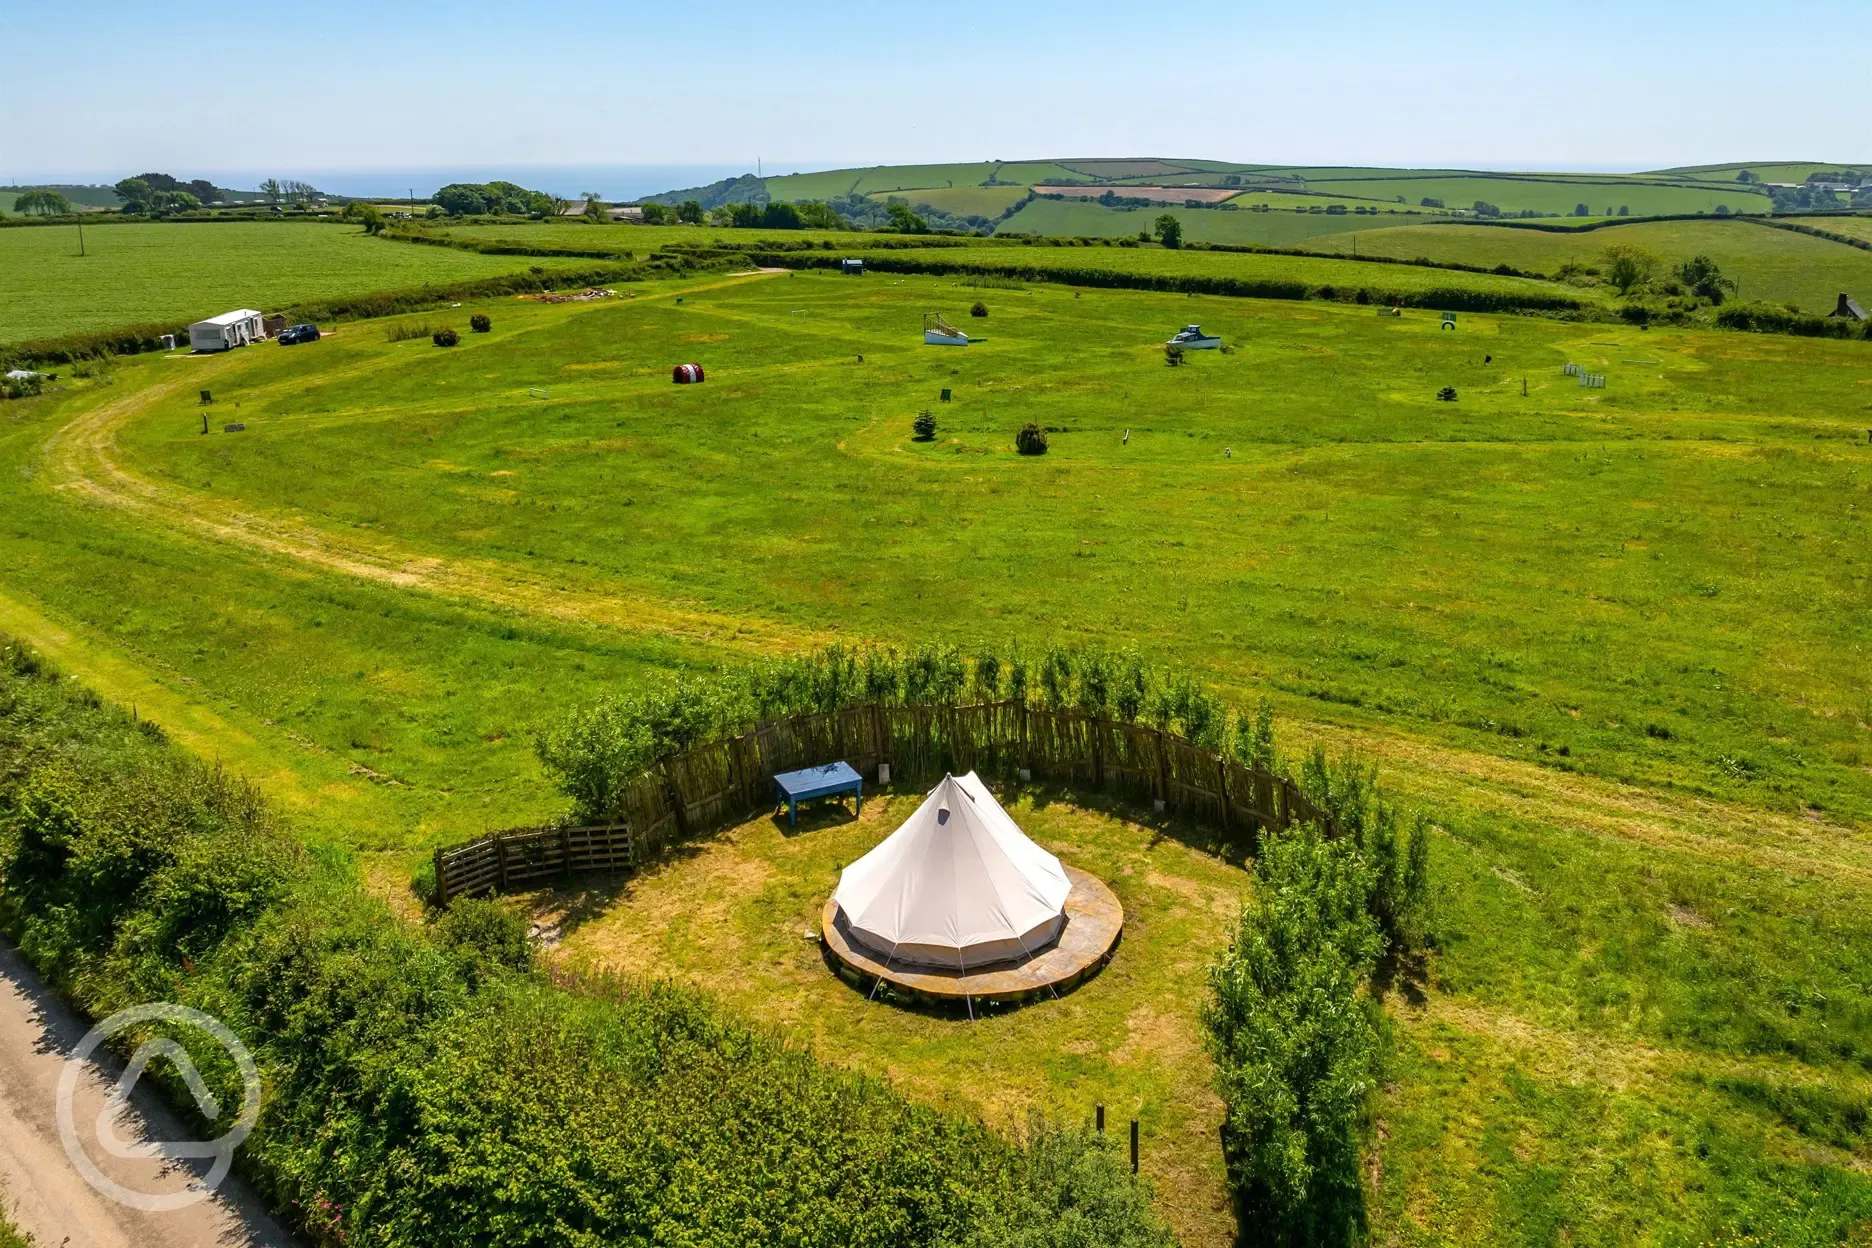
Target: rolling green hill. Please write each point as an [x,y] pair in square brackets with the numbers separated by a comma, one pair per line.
[1676,191]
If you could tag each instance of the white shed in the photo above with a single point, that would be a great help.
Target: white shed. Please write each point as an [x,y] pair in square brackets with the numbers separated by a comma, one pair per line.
[230,329]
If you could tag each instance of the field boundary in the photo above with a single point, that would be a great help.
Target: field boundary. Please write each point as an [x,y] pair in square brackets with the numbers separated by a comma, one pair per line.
[695,791]
[1444,299]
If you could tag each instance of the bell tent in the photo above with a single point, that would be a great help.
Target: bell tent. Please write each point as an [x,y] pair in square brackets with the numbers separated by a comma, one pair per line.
[959,885]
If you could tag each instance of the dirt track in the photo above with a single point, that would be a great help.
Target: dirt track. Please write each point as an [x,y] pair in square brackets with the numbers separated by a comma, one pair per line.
[45,1196]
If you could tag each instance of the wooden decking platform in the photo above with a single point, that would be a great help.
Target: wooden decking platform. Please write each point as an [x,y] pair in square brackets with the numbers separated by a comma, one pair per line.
[1094,920]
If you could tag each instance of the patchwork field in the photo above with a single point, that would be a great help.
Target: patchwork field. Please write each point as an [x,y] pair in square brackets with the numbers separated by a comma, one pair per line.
[965,201]
[1279,226]
[1612,640]
[131,274]
[1548,194]
[1767,263]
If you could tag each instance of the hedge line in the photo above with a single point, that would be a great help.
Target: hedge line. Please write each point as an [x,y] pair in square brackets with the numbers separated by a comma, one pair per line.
[1773,318]
[138,338]
[597,750]
[1445,299]
[430,1087]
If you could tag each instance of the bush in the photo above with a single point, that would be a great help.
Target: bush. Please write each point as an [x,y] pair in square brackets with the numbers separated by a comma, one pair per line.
[980,309]
[1294,1041]
[1031,440]
[924,426]
[22,387]
[479,323]
[487,935]
[1447,394]
[445,338]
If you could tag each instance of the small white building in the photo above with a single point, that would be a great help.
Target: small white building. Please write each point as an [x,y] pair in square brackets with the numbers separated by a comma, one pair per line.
[229,330]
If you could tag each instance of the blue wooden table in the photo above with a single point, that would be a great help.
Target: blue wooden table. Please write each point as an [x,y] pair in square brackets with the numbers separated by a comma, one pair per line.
[793,787]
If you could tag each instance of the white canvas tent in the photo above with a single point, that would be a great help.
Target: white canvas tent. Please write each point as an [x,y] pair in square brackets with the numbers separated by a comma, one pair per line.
[959,885]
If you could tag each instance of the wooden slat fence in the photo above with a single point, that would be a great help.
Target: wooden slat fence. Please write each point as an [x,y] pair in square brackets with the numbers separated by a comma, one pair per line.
[722,783]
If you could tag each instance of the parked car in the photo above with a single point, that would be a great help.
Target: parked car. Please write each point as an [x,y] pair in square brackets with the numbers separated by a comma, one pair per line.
[298,334]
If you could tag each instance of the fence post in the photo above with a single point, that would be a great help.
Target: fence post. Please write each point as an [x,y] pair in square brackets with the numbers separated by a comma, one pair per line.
[441,879]
[500,857]
[675,798]
[1163,769]
[1098,752]
[565,851]
[1222,788]
[1134,1145]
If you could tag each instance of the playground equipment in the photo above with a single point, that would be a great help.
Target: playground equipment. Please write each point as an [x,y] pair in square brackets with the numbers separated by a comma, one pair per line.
[938,332]
[1449,320]
[1192,338]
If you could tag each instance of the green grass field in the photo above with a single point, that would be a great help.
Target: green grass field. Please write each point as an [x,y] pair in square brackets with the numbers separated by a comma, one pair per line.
[132,274]
[1320,271]
[1612,639]
[1772,264]
[1278,227]
[1603,195]
[1771,171]
[1854,227]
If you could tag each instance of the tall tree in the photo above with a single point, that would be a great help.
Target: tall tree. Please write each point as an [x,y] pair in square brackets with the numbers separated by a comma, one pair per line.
[1169,231]
[42,203]
[271,191]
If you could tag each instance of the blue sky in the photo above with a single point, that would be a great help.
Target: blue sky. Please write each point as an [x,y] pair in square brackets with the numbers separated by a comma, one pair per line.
[117,86]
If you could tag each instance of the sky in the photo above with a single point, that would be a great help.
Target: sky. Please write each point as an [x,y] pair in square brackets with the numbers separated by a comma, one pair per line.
[384,95]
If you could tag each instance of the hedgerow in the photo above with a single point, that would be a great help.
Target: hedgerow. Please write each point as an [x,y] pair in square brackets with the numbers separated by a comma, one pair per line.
[596,750]
[434,1087]
[1298,1044]
[1450,299]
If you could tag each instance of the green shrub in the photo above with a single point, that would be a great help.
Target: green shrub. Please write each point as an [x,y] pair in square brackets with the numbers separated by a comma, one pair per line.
[445,338]
[1069,1190]
[1031,439]
[979,309]
[1294,1041]
[487,935]
[479,323]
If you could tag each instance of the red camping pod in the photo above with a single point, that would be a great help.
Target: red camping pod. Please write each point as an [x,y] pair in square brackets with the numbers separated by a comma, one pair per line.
[687,374]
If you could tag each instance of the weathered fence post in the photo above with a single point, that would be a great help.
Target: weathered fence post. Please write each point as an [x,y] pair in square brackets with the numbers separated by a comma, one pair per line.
[500,857]
[1222,791]
[442,890]
[1163,769]
[565,851]
[675,798]
[1098,751]
[1134,1145]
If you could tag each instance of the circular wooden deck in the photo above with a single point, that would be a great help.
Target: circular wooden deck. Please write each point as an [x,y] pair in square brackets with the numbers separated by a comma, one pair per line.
[1094,920]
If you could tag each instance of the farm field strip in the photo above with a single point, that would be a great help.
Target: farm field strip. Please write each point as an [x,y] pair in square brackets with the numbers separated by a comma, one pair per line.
[1771,264]
[132,274]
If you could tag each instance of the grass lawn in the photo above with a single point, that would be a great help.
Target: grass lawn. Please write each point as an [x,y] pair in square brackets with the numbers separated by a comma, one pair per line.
[132,274]
[1612,639]
[1776,265]
[730,917]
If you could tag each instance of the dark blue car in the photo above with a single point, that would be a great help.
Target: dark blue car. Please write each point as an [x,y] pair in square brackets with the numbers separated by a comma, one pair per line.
[298,334]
